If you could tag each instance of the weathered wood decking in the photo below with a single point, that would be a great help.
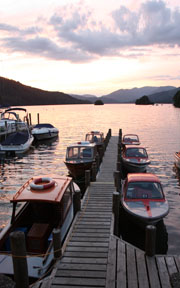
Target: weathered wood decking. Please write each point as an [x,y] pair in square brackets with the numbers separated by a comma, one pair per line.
[93,257]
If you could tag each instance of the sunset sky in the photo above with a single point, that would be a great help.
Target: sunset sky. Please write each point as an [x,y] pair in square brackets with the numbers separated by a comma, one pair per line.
[90,46]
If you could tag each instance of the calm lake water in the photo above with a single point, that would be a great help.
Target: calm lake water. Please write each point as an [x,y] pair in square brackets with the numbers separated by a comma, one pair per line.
[158,127]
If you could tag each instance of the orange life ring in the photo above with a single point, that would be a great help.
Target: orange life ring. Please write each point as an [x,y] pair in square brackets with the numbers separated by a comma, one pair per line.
[35,184]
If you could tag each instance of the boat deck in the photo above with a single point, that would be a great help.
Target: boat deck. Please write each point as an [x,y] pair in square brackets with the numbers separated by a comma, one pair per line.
[93,257]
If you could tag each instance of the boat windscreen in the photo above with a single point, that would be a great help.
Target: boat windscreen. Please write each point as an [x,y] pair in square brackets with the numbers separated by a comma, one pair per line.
[136,152]
[143,190]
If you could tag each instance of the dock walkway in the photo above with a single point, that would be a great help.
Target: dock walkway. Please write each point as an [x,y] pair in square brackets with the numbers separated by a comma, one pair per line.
[93,257]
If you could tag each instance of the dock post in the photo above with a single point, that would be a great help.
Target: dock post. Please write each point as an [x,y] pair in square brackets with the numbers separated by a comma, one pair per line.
[87,178]
[116,207]
[30,119]
[120,136]
[18,248]
[37,118]
[117,180]
[150,241]
[94,170]
[57,243]
[97,161]
[77,201]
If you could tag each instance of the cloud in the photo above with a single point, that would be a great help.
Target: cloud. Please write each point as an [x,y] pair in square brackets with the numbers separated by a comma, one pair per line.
[74,34]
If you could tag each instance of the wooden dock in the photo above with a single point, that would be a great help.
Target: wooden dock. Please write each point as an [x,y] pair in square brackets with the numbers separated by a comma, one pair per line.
[94,257]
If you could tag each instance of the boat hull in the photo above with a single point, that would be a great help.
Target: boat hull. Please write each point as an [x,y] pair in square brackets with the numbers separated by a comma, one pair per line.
[131,166]
[77,169]
[16,149]
[137,212]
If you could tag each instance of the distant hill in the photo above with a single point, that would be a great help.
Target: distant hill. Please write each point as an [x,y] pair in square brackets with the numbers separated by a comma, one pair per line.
[130,95]
[162,94]
[88,97]
[16,94]
[164,97]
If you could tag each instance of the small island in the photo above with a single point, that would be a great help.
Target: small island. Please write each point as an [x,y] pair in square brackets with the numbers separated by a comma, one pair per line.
[144,100]
[98,102]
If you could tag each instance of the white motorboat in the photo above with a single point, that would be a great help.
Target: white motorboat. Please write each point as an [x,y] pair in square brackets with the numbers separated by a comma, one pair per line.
[143,198]
[16,138]
[44,131]
[135,158]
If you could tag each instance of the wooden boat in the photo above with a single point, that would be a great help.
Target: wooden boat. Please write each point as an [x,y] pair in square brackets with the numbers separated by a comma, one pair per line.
[143,198]
[79,158]
[46,203]
[177,159]
[44,131]
[130,139]
[135,158]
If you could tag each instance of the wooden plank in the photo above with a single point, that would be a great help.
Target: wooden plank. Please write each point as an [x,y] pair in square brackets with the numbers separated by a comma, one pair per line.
[88,244]
[152,272]
[171,265]
[121,265]
[82,234]
[81,266]
[78,281]
[86,249]
[85,254]
[84,260]
[163,272]
[131,267]
[177,260]
[93,239]
[141,269]
[111,264]
[92,230]
[81,273]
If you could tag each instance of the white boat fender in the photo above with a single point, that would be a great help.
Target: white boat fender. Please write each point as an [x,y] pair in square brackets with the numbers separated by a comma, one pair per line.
[35,184]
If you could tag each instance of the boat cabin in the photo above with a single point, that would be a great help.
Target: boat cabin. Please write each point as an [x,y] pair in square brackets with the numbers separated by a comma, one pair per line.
[95,137]
[81,151]
[42,210]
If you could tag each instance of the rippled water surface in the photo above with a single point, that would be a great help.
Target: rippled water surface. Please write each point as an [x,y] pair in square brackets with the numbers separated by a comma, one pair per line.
[158,128]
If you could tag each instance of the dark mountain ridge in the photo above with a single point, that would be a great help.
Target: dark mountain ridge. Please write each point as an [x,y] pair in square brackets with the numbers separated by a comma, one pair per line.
[16,94]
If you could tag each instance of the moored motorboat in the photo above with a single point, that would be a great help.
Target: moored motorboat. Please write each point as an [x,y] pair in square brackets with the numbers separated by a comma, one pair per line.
[12,120]
[15,133]
[135,158]
[40,205]
[143,198]
[177,159]
[95,137]
[130,139]
[16,143]
[44,131]
[79,158]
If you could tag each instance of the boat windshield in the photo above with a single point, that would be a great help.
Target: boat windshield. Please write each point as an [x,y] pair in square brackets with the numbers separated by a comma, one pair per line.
[131,138]
[144,190]
[79,152]
[136,152]
[94,138]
